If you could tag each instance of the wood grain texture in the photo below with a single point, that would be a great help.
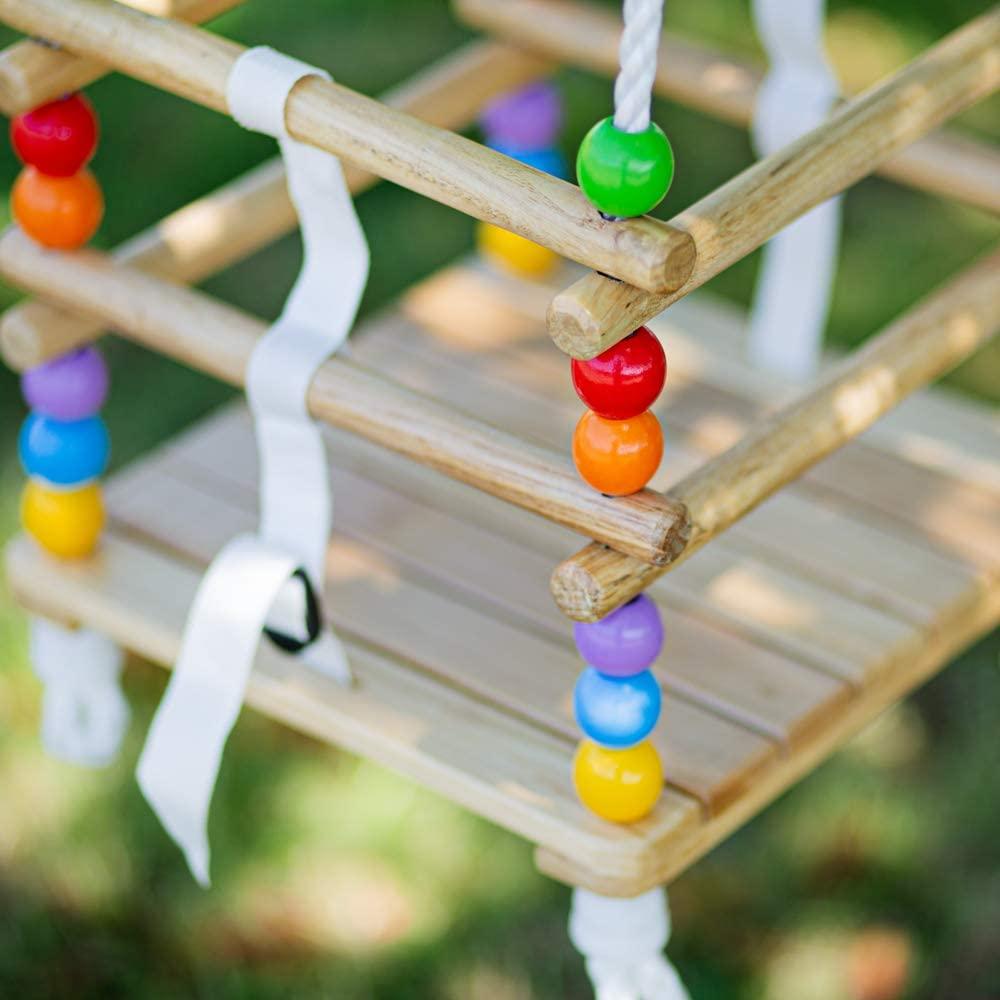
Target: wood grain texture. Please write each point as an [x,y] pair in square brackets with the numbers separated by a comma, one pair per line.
[469,630]
[33,73]
[771,695]
[901,531]
[500,767]
[253,210]
[722,85]
[842,614]
[204,333]
[432,161]
[920,346]
[673,854]
[440,592]
[596,312]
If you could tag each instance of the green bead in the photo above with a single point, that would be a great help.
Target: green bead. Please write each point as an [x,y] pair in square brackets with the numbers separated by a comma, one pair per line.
[624,173]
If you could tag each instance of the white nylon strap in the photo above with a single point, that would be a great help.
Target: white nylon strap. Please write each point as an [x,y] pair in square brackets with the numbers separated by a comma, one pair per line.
[622,941]
[180,761]
[84,713]
[796,277]
[250,582]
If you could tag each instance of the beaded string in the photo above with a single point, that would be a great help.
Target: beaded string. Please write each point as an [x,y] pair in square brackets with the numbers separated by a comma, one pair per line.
[625,166]
[524,125]
[63,443]
[617,448]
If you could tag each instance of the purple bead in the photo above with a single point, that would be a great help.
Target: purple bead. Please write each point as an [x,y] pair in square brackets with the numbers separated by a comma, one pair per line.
[71,387]
[526,119]
[624,643]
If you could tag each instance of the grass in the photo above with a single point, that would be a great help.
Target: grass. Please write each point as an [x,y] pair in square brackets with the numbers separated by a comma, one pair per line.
[336,878]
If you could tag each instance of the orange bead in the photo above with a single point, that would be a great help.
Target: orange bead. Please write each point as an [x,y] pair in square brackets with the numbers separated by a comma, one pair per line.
[66,523]
[61,213]
[618,785]
[617,457]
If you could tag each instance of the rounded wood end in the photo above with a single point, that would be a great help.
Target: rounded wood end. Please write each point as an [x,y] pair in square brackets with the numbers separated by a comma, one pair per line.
[575,591]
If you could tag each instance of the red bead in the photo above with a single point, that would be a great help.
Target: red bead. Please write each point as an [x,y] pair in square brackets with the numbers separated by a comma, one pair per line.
[625,380]
[58,138]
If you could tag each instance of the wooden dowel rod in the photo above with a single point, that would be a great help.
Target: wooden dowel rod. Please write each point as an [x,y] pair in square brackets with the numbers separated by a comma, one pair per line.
[721,85]
[596,312]
[920,346]
[231,223]
[437,163]
[33,73]
[216,338]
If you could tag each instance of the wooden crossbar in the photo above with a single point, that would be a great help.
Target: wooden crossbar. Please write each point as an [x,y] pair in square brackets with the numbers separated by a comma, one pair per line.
[253,210]
[33,73]
[596,312]
[218,339]
[721,85]
[920,346]
[465,175]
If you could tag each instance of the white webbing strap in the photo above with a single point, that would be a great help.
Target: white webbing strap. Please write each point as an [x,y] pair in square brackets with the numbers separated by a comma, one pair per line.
[254,581]
[797,269]
[84,713]
[295,500]
[622,941]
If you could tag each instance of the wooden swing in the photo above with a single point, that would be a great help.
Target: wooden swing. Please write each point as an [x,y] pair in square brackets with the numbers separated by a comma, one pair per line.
[820,606]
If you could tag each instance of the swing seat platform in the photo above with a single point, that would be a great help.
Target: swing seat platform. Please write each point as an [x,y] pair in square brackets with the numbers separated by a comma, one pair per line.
[783,637]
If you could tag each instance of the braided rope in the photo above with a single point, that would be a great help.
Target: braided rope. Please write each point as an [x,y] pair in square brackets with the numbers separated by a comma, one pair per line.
[637,56]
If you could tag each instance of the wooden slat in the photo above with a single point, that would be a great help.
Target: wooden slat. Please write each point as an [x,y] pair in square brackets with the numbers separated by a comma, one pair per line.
[376,594]
[501,768]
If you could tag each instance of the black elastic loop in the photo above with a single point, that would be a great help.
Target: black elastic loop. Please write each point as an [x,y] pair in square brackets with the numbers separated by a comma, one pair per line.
[314,623]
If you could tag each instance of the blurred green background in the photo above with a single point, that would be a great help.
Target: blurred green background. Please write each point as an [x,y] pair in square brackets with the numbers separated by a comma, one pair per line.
[878,878]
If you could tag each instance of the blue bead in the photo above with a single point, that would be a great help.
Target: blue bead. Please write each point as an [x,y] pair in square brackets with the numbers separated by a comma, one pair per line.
[63,452]
[616,711]
[549,161]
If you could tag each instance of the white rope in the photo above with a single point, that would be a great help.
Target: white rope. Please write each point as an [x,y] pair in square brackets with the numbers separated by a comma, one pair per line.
[84,713]
[257,580]
[798,266]
[637,57]
[622,941]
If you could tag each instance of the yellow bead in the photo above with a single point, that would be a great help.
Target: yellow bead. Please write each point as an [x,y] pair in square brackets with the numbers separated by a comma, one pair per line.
[515,253]
[66,523]
[619,785]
